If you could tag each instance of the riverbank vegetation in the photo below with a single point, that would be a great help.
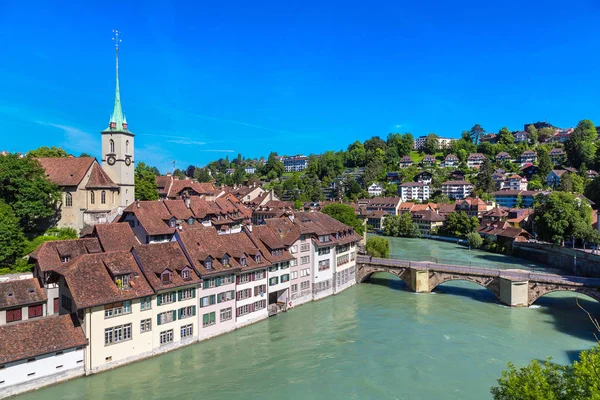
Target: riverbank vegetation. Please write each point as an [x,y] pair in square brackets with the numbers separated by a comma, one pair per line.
[549,381]
[28,201]
[378,246]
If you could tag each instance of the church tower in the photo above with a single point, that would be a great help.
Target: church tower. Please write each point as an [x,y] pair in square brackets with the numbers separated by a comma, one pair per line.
[117,146]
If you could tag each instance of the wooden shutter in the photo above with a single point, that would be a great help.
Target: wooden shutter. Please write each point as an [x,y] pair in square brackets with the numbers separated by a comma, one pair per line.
[158,319]
[252,277]
[237,279]
[205,284]
[194,311]
[174,315]
[159,299]
[193,293]
[180,295]
[212,299]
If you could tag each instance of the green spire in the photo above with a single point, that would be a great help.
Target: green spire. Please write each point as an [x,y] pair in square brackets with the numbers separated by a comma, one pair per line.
[117,119]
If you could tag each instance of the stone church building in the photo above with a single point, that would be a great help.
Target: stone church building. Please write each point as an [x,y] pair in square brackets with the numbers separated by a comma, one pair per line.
[94,193]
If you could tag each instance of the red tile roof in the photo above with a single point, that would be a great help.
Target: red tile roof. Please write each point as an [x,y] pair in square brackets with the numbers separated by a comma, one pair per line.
[116,236]
[21,292]
[91,279]
[49,255]
[35,337]
[154,259]
[66,171]
[99,179]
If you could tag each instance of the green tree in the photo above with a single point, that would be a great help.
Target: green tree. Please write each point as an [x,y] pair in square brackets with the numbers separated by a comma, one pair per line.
[392,190]
[48,152]
[378,246]
[550,381]
[592,190]
[356,155]
[202,175]
[179,174]
[298,205]
[371,145]
[26,189]
[460,224]
[571,183]
[345,214]
[519,201]
[431,144]
[580,146]
[400,225]
[274,167]
[84,155]
[505,137]
[484,182]
[533,134]
[545,164]
[239,175]
[12,241]
[560,215]
[475,241]
[545,134]
[145,182]
[476,133]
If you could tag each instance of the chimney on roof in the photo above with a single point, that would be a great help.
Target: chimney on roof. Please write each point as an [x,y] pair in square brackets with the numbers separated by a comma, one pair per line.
[187,201]
[169,174]
[137,203]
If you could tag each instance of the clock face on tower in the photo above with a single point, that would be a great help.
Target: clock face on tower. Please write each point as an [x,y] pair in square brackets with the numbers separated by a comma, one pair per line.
[127,161]
[111,160]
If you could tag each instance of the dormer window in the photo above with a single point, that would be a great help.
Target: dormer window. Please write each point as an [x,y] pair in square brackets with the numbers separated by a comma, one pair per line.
[185,274]
[122,281]
[172,222]
[225,260]
[65,259]
[190,221]
[258,258]
[208,263]
[165,277]
[243,261]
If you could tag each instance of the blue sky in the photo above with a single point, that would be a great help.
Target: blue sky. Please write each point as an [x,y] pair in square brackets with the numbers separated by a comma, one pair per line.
[202,80]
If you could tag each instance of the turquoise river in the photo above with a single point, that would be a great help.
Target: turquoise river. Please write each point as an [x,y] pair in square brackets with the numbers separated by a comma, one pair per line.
[373,341]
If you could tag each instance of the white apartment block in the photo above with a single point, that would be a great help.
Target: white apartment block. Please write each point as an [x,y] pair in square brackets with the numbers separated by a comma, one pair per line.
[457,190]
[414,191]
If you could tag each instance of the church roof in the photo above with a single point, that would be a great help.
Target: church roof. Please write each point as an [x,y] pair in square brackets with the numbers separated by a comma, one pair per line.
[66,171]
[118,121]
[99,179]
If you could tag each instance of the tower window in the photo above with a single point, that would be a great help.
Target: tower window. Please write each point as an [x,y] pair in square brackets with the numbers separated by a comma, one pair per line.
[92,198]
[103,197]
[68,200]
[111,146]
[127,147]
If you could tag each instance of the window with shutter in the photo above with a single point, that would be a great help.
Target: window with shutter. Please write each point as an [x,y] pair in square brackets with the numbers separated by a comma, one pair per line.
[212,299]
[180,295]
[158,319]
[174,315]
[218,281]
[159,299]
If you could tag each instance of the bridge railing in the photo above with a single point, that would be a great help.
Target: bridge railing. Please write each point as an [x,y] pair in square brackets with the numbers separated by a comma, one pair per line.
[480,270]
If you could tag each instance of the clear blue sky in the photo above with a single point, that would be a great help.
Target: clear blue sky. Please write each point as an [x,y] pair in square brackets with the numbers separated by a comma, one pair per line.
[202,80]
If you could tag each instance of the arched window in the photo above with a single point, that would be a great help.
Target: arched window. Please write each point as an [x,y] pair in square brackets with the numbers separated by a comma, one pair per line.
[68,200]
[92,198]
[111,146]
[127,147]
[103,197]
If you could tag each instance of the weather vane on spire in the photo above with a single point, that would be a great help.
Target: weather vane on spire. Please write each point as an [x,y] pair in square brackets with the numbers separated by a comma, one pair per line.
[116,38]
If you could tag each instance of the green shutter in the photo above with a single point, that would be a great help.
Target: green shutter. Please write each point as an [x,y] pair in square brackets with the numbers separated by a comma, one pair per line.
[193,293]
[212,317]
[180,294]
[232,277]
[232,294]
[194,311]
[205,284]
[158,319]
[212,299]
[218,281]
[205,319]
[174,315]
[159,299]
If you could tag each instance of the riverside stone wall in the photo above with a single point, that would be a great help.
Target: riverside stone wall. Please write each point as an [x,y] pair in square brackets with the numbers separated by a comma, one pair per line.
[572,262]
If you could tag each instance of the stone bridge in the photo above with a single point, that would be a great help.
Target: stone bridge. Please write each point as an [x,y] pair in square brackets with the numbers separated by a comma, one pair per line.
[513,287]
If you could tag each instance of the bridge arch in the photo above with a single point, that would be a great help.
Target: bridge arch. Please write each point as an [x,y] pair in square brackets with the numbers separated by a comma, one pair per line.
[489,283]
[365,273]
[540,291]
